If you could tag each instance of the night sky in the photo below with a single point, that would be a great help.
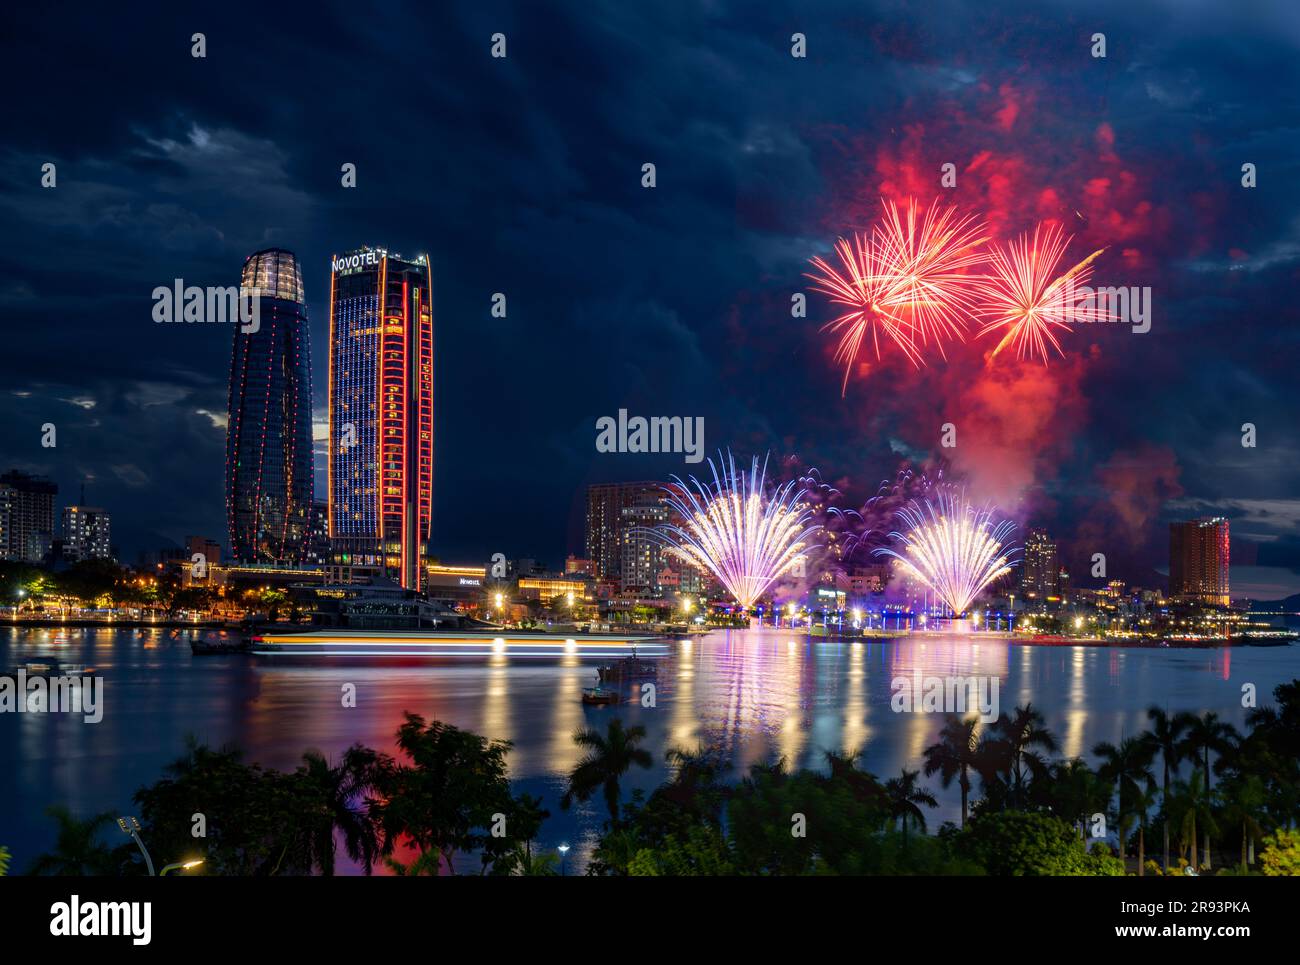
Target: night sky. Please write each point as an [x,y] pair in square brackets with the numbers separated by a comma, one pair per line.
[523,176]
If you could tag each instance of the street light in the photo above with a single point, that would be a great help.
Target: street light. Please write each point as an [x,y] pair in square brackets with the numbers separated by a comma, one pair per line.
[186,865]
[564,851]
[131,828]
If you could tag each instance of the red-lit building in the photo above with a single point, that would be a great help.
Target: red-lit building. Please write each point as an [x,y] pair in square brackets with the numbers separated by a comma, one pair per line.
[1198,561]
[381,413]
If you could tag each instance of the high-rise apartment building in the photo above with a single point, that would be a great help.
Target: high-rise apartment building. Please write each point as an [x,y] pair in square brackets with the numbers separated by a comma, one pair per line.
[26,516]
[1040,573]
[641,560]
[86,533]
[605,523]
[1198,560]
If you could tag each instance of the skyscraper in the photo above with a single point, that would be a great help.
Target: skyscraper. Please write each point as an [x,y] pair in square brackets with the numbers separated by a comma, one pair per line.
[86,533]
[1198,560]
[1040,573]
[605,505]
[269,460]
[26,516]
[381,412]
[641,560]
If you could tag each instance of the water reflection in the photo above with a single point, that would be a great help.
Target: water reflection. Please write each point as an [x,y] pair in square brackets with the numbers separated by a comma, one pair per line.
[756,694]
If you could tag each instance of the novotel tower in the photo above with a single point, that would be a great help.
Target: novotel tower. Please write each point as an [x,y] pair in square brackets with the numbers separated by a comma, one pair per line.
[381,413]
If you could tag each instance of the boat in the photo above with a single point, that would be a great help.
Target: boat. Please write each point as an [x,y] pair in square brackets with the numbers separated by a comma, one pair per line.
[629,668]
[446,643]
[599,696]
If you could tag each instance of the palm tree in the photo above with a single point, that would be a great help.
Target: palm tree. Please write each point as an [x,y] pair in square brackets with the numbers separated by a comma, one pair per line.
[609,757]
[1205,734]
[1017,736]
[1128,767]
[1192,804]
[905,799]
[77,848]
[954,755]
[1143,800]
[532,865]
[1246,797]
[1166,737]
[342,790]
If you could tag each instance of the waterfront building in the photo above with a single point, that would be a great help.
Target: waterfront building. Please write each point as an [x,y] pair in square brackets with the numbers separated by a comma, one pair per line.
[454,584]
[1041,571]
[26,516]
[86,533]
[547,588]
[605,524]
[641,558]
[381,413]
[1198,561]
[575,564]
[318,534]
[269,459]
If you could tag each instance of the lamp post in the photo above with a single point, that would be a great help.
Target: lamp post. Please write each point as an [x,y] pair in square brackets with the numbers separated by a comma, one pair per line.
[131,828]
[564,851]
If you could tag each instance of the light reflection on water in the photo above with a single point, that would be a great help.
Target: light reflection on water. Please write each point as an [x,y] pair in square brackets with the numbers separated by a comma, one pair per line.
[757,694]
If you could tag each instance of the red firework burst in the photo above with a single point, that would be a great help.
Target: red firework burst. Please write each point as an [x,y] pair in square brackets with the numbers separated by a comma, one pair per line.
[871,289]
[907,282]
[1026,297]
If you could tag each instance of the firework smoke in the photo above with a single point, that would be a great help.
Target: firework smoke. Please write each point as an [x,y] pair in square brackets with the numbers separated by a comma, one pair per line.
[735,530]
[952,548]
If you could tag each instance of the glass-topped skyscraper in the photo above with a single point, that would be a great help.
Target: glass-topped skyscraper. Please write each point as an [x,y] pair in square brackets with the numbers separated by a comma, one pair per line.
[269,462]
[381,413]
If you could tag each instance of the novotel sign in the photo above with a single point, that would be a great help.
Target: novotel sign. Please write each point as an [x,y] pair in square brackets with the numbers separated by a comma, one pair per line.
[467,581]
[357,260]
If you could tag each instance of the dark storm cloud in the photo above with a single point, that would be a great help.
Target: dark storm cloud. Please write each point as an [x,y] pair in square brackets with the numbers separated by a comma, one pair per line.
[522,176]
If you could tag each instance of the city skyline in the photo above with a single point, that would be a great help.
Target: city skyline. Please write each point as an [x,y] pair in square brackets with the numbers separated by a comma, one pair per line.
[1103,453]
[703,439]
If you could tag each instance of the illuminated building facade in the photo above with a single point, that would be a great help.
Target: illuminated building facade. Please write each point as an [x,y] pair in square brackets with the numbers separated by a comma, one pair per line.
[26,516]
[381,413]
[1198,561]
[642,559]
[1041,570]
[546,589]
[269,460]
[87,533]
[605,523]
